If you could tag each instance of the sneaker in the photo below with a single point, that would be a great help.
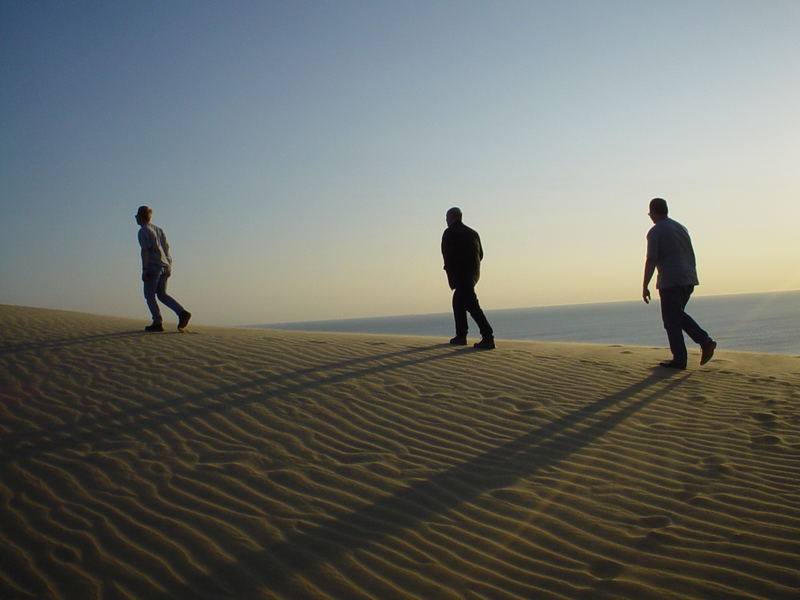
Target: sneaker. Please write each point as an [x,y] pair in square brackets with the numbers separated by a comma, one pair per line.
[183,320]
[708,351]
[154,327]
[672,364]
[459,340]
[486,343]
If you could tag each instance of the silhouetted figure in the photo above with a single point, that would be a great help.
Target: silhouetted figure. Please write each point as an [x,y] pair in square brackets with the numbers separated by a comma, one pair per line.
[462,253]
[669,249]
[156,269]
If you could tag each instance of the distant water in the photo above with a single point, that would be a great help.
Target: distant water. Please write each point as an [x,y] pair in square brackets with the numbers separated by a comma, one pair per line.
[768,322]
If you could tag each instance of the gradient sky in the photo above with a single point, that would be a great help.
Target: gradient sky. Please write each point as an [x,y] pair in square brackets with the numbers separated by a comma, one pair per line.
[301,155]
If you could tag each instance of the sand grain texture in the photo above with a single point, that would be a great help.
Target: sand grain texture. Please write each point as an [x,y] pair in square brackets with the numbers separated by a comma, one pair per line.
[225,463]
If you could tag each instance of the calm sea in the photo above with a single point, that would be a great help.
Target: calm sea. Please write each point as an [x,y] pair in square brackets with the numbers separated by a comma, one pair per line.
[768,322]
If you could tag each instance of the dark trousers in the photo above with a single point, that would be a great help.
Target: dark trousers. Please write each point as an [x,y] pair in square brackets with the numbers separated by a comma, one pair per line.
[464,301]
[676,321]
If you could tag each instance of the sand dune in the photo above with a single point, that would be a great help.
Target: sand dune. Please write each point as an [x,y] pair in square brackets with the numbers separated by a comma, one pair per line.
[225,463]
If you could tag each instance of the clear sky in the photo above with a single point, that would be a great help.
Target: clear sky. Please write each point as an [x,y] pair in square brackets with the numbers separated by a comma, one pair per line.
[301,155]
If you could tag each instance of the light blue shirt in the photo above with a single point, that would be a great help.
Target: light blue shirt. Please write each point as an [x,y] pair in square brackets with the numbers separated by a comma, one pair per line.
[154,239]
[670,247]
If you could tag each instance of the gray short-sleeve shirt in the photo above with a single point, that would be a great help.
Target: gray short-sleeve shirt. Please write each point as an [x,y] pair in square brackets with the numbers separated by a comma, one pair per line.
[670,247]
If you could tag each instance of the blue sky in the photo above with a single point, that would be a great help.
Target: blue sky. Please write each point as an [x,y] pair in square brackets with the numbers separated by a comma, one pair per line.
[301,155]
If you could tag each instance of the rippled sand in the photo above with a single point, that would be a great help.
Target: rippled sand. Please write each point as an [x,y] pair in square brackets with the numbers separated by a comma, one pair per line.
[225,463]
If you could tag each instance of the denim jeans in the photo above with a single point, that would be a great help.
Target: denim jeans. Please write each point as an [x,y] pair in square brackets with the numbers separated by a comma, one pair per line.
[465,300]
[156,287]
[676,321]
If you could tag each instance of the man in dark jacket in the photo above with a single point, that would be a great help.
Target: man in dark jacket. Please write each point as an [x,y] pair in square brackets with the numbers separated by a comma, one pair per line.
[462,253]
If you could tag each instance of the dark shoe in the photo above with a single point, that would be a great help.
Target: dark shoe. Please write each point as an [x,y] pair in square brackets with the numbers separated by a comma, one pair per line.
[154,327]
[708,351]
[183,320]
[671,364]
[485,344]
[459,340]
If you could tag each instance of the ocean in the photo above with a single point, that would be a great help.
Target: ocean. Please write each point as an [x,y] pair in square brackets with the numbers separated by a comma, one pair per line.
[766,322]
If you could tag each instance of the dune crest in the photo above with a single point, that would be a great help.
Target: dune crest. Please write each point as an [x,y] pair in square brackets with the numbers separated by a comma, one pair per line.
[236,463]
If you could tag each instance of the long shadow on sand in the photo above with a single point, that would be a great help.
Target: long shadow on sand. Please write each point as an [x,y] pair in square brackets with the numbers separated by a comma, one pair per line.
[101,428]
[499,467]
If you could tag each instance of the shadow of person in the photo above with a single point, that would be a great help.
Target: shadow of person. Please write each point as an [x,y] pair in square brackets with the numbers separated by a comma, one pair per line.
[93,429]
[404,508]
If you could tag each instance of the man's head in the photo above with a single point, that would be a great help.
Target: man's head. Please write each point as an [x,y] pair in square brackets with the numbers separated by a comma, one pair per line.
[658,209]
[143,215]
[453,215]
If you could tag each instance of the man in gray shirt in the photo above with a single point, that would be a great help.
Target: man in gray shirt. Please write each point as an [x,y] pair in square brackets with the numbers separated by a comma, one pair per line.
[156,269]
[669,249]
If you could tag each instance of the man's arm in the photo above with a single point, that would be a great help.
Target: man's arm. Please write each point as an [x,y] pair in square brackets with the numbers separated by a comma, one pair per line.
[479,246]
[446,248]
[649,269]
[165,246]
[145,258]
[144,242]
[145,262]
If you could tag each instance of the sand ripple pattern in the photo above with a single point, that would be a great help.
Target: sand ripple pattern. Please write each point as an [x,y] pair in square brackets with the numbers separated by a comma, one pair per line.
[262,465]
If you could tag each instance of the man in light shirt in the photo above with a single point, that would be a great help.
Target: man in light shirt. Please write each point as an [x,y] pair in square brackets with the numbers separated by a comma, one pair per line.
[669,250]
[156,269]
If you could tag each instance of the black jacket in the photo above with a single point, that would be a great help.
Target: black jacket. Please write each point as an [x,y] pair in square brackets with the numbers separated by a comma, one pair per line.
[462,253]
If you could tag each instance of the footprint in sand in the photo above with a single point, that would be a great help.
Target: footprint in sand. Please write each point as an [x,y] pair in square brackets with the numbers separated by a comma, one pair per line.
[767,419]
[765,440]
[715,466]
[605,569]
[653,539]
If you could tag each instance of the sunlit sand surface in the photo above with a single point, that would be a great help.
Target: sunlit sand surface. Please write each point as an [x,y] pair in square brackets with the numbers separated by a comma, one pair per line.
[234,463]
